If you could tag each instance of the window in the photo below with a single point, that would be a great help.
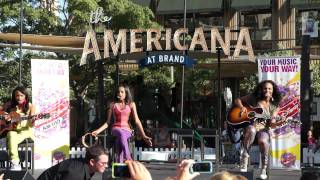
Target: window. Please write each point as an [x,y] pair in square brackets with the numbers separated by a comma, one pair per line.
[313,110]
[260,25]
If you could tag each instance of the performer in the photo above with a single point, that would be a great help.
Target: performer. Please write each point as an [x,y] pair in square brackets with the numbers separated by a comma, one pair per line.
[266,96]
[121,109]
[20,103]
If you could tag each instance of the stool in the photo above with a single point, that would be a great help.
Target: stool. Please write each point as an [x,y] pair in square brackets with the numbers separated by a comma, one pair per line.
[209,133]
[182,133]
[26,143]
[4,159]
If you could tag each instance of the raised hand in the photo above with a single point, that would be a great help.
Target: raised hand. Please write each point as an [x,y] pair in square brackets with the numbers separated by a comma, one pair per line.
[138,171]
[183,170]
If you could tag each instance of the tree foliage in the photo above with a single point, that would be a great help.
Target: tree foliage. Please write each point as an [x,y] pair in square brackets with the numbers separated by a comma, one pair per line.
[70,18]
[248,84]
[315,81]
[73,19]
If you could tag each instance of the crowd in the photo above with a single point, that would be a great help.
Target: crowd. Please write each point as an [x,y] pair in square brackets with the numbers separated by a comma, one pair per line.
[96,160]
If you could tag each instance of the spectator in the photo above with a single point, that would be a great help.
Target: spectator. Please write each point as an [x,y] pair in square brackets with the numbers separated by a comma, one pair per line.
[96,160]
[224,175]
[312,143]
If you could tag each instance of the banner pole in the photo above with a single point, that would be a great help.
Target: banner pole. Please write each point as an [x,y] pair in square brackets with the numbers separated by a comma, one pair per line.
[305,89]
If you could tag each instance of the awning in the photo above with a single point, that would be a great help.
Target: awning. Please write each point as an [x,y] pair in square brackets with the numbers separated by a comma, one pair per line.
[68,50]
[249,5]
[142,2]
[45,40]
[231,68]
[304,4]
[193,6]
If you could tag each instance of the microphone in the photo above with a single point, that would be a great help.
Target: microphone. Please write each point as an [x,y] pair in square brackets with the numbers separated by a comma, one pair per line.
[118,97]
[270,96]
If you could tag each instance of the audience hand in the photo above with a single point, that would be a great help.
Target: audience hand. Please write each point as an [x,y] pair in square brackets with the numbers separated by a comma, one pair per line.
[138,171]
[1,176]
[183,170]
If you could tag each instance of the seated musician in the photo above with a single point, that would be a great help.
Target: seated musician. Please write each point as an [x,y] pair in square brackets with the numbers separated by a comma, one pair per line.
[18,106]
[266,96]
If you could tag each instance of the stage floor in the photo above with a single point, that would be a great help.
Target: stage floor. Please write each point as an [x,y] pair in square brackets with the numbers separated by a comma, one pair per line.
[160,171]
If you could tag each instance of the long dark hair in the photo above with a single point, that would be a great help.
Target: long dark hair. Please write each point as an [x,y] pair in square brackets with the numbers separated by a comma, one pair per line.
[14,101]
[276,95]
[128,98]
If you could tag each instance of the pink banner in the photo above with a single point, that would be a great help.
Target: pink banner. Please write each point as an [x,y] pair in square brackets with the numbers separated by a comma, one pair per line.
[285,138]
[50,94]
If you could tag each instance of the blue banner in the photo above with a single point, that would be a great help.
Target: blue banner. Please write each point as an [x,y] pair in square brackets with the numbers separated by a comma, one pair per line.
[171,59]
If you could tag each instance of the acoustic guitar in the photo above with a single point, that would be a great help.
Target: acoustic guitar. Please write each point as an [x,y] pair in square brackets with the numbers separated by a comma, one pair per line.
[239,119]
[10,125]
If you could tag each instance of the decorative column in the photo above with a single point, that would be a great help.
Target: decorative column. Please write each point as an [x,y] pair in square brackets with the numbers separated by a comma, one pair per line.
[231,19]
[283,24]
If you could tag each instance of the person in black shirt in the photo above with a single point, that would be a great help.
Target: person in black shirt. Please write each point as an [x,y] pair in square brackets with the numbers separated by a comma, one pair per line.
[96,160]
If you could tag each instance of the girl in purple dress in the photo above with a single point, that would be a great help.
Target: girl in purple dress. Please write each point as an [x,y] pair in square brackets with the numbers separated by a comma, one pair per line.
[122,109]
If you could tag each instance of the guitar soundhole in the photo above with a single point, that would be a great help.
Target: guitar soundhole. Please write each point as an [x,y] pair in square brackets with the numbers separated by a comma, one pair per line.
[251,115]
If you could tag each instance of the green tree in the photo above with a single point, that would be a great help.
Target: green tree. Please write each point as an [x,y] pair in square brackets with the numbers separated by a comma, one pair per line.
[248,84]
[315,80]
[73,20]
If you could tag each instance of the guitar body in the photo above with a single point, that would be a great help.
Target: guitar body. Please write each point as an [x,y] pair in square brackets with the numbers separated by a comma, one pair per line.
[240,119]
[4,129]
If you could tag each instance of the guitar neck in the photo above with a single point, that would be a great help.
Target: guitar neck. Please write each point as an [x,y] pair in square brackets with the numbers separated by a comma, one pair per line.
[21,118]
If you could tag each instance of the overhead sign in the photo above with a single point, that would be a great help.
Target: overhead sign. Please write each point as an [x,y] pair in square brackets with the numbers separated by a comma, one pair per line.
[167,59]
[98,16]
[119,42]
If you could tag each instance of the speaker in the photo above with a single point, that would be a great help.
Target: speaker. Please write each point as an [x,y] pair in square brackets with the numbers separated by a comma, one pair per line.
[248,175]
[17,175]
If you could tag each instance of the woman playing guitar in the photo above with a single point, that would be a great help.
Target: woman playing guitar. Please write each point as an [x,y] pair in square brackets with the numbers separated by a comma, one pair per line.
[19,105]
[267,97]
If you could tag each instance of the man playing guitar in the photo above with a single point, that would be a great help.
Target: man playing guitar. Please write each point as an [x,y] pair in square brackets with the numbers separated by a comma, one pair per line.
[267,97]
[18,106]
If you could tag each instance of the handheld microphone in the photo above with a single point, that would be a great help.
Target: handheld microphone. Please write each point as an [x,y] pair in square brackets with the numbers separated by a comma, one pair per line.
[270,96]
